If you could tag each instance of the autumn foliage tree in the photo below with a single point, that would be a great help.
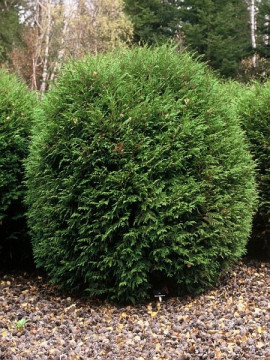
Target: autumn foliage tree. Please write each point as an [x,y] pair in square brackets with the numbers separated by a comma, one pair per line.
[98,26]
[60,31]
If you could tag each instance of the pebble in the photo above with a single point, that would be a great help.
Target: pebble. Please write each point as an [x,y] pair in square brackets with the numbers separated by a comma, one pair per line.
[229,322]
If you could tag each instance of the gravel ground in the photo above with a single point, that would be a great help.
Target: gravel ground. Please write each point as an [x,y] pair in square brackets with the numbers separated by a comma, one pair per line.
[231,322]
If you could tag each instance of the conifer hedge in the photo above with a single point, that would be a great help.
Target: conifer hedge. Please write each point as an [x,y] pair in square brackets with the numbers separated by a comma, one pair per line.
[16,108]
[254,111]
[138,177]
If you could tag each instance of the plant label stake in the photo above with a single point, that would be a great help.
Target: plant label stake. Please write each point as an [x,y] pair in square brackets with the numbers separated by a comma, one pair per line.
[159,294]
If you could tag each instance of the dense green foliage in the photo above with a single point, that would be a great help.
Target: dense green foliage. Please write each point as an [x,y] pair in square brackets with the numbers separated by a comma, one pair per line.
[138,176]
[254,110]
[16,107]
[10,27]
[219,31]
[154,21]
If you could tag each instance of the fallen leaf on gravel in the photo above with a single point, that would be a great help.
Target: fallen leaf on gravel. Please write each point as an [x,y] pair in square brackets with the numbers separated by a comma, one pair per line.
[230,323]
[70,308]
[241,306]
[120,327]
[4,333]
[107,318]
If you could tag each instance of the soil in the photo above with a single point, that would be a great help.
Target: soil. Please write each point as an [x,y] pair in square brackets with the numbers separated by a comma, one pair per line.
[229,322]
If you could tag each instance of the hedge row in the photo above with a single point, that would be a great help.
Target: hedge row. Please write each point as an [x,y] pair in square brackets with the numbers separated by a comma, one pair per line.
[16,116]
[138,177]
[254,110]
[140,174]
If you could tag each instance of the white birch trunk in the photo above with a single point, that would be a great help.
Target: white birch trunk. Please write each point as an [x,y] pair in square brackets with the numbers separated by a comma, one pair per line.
[38,14]
[44,80]
[61,52]
[253,32]
[266,36]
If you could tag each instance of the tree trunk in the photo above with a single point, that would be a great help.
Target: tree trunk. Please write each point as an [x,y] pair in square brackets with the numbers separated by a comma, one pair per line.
[38,14]
[61,52]
[43,85]
[253,27]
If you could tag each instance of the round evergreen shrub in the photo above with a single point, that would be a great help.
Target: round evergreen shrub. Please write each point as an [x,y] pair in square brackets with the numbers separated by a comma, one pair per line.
[254,111]
[138,177]
[16,108]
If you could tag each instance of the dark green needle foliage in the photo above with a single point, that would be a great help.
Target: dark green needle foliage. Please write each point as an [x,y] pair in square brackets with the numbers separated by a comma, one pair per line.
[154,21]
[219,31]
[254,110]
[16,108]
[138,177]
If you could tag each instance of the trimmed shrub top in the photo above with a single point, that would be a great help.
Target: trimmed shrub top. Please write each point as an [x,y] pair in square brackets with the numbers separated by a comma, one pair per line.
[138,176]
[254,111]
[16,108]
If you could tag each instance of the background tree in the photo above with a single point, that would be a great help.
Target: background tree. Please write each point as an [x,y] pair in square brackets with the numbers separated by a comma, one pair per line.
[34,59]
[264,29]
[10,27]
[154,21]
[257,66]
[219,31]
[232,36]
[59,31]
[97,26]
